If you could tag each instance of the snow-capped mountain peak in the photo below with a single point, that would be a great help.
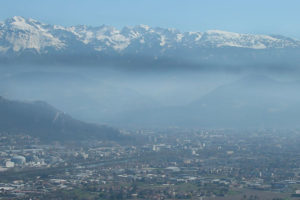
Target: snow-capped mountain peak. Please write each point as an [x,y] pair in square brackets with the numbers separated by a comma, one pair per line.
[18,34]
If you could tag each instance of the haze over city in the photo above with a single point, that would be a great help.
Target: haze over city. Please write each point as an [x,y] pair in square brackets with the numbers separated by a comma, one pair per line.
[149,99]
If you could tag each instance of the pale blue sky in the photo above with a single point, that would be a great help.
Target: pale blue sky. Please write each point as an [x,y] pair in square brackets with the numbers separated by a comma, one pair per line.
[245,16]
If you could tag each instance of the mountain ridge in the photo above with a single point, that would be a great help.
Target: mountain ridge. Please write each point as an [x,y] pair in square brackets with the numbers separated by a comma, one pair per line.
[23,34]
[30,42]
[47,123]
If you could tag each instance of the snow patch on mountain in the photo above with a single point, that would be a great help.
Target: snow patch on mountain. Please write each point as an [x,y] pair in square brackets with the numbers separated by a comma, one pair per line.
[222,39]
[21,34]
[3,49]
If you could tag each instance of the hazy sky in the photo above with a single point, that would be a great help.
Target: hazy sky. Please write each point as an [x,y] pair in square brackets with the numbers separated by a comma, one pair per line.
[246,16]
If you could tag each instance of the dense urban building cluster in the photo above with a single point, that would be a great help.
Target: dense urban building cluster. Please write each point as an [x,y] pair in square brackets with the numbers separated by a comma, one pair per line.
[162,164]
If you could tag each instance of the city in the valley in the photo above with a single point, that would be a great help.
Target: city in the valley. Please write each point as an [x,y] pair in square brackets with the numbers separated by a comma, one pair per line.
[168,163]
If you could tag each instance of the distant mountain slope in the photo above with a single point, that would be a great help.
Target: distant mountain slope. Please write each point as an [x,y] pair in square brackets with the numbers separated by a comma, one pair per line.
[27,40]
[84,96]
[252,102]
[47,123]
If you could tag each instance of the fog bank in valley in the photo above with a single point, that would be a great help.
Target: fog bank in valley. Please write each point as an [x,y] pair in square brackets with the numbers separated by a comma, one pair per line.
[160,98]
